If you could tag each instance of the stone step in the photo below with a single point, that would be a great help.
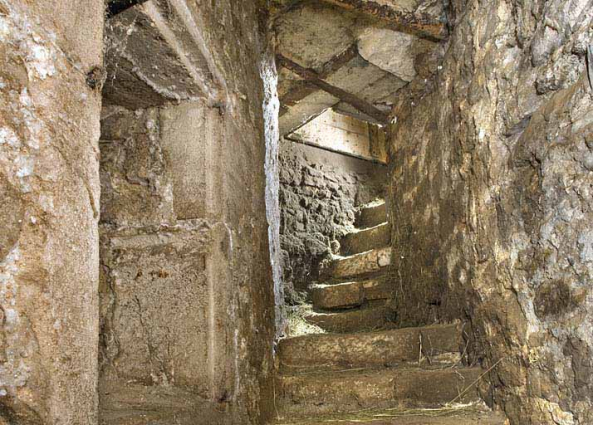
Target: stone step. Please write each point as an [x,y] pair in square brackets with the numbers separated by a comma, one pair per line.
[366,239]
[367,318]
[372,215]
[356,265]
[456,415]
[437,343]
[330,392]
[350,294]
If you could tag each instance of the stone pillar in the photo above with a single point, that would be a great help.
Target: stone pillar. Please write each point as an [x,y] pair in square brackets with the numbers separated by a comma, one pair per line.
[51,54]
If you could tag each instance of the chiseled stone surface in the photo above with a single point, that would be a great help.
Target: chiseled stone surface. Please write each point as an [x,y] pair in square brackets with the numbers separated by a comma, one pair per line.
[369,349]
[372,215]
[308,394]
[186,273]
[492,192]
[461,416]
[357,265]
[366,239]
[378,316]
[154,305]
[340,295]
[350,294]
[49,208]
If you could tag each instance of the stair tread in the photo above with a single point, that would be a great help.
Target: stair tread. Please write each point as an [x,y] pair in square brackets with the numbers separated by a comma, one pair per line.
[377,371]
[362,240]
[350,294]
[357,265]
[331,392]
[354,320]
[372,214]
[464,415]
[377,348]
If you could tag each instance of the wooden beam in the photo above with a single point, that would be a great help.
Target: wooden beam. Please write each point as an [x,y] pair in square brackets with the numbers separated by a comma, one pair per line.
[352,100]
[329,68]
[420,24]
[115,7]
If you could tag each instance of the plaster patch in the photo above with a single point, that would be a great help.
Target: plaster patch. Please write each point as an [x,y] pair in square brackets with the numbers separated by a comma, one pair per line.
[13,372]
[9,137]
[40,61]
[585,242]
[5,28]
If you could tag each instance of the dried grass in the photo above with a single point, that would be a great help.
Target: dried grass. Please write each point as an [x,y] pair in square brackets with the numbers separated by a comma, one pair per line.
[370,416]
[296,325]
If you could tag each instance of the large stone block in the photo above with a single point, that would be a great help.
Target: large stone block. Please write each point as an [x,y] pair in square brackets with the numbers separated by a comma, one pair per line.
[155,299]
[49,198]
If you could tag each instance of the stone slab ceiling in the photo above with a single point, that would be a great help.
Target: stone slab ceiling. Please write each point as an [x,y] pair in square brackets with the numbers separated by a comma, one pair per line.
[369,49]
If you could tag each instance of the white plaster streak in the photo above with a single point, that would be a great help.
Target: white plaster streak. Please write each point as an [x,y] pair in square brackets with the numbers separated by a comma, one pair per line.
[230,235]
[271,108]
[13,371]
[237,365]
[210,159]
[171,39]
[186,15]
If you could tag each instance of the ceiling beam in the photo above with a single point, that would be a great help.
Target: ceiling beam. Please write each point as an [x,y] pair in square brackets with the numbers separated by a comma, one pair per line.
[115,7]
[329,68]
[420,24]
[313,77]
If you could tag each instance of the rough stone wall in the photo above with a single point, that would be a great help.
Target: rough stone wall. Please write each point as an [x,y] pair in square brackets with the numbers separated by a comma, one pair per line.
[49,198]
[491,187]
[185,251]
[319,191]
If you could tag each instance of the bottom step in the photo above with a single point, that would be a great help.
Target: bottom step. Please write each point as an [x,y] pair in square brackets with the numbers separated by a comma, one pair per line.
[350,391]
[472,415]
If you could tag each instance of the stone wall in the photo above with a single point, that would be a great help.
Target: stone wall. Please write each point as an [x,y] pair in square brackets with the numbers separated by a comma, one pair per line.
[186,275]
[319,191]
[49,208]
[491,186]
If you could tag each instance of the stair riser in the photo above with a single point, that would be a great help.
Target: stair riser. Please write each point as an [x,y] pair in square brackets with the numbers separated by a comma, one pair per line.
[366,350]
[357,265]
[338,296]
[354,320]
[486,418]
[372,216]
[350,294]
[303,395]
[366,240]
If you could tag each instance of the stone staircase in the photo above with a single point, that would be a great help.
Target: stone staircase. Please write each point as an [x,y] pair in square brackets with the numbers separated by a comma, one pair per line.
[363,369]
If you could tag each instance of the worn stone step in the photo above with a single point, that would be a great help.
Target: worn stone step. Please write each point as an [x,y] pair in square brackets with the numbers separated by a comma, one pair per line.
[371,349]
[372,215]
[365,240]
[332,392]
[350,294]
[456,415]
[370,317]
[356,265]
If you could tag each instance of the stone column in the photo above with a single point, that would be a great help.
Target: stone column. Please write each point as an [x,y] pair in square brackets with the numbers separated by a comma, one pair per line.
[50,77]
